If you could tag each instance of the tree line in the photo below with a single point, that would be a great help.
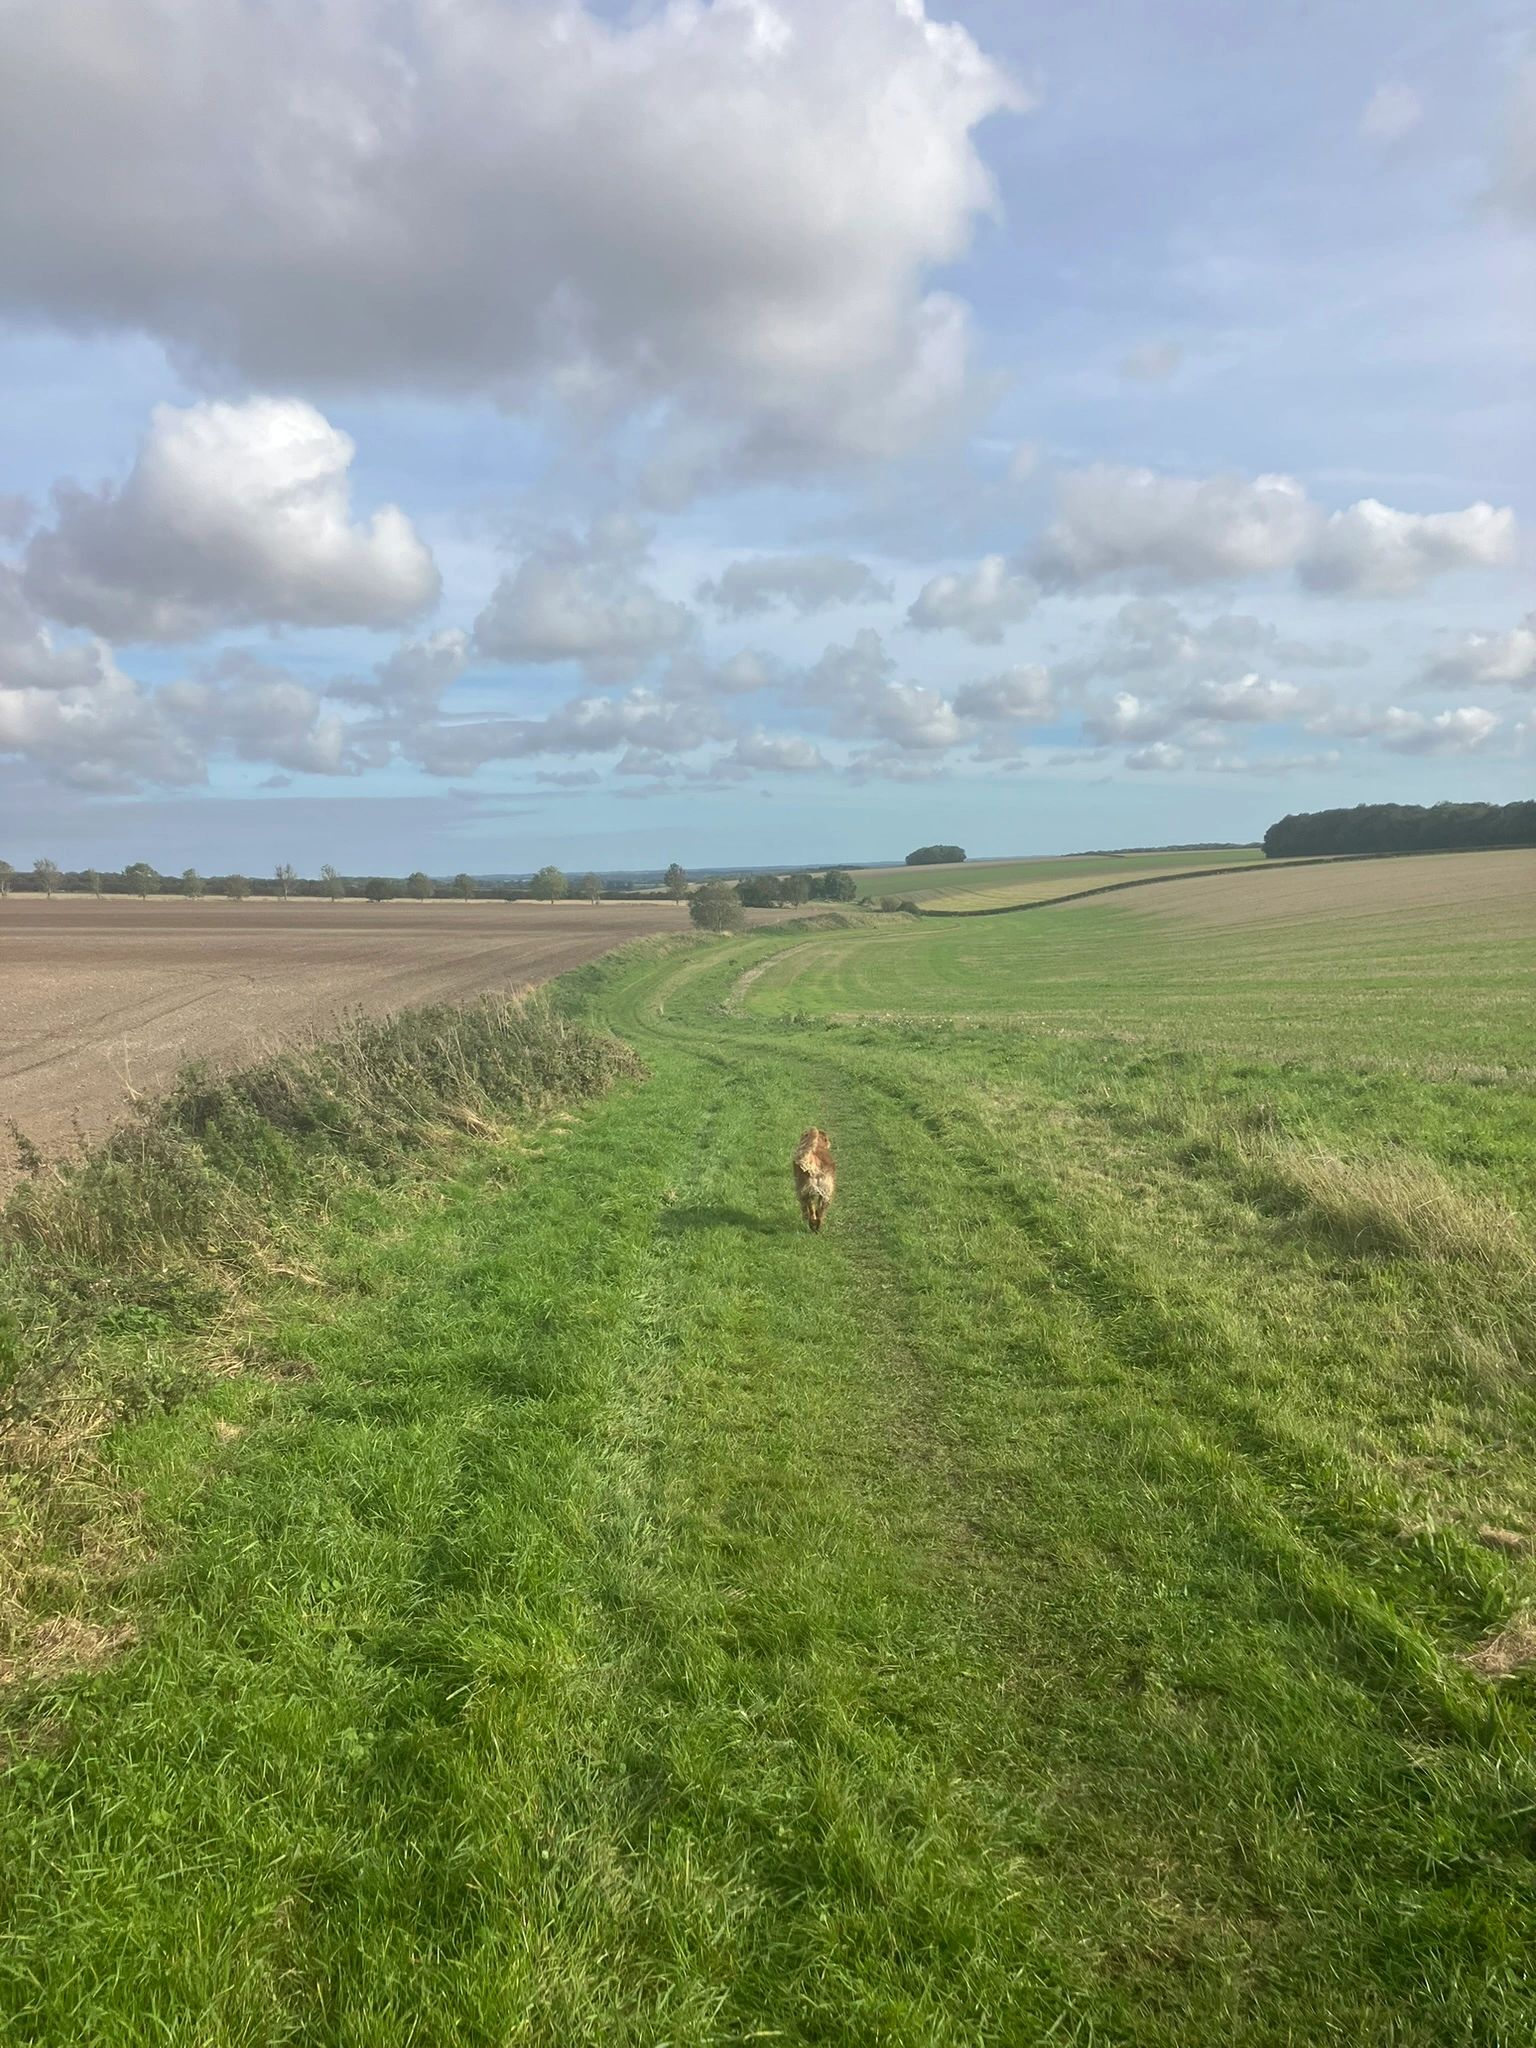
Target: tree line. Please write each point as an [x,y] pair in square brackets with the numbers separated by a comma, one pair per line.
[139,878]
[1401,828]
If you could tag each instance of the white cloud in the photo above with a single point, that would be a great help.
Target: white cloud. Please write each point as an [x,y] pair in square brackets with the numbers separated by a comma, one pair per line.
[255,712]
[1134,524]
[106,735]
[1128,717]
[981,603]
[777,753]
[1018,695]
[1476,659]
[1149,635]
[738,203]
[411,680]
[231,514]
[1392,111]
[855,684]
[801,583]
[1249,699]
[575,598]
[1113,522]
[1460,730]
[1372,551]
[1161,756]
[585,725]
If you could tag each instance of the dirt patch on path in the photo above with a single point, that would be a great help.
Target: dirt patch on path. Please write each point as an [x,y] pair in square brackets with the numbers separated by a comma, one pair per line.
[101,999]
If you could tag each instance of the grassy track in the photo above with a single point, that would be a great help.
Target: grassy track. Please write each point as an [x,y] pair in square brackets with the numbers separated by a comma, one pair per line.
[1034,1610]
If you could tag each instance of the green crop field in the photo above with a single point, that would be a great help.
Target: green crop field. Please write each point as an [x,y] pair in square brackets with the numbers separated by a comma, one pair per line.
[999,884]
[1084,1596]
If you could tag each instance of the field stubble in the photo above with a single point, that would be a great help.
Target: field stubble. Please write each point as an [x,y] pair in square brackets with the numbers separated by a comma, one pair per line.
[102,999]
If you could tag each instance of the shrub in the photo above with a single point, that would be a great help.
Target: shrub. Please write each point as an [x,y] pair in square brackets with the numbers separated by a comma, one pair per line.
[717,908]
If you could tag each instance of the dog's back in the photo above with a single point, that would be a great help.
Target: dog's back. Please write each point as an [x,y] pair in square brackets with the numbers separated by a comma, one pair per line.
[815,1176]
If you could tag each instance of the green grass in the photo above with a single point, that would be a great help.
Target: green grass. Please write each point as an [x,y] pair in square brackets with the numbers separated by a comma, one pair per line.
[998,885]
[1037,1609]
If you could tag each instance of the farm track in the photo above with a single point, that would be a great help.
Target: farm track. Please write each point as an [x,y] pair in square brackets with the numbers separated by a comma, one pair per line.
[651,1623]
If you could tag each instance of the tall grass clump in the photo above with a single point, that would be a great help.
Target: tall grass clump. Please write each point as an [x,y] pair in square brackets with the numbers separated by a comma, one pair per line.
[117,1265]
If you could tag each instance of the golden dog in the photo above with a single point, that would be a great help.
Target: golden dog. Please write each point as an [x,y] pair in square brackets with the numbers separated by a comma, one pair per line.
[815,1176]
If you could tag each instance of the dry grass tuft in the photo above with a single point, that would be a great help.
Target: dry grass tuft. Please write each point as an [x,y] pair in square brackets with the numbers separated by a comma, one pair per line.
[64,1645]
[1398,1205]
[1512,1650]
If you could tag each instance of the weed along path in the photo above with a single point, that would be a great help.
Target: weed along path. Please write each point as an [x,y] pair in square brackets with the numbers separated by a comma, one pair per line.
[1036,1609]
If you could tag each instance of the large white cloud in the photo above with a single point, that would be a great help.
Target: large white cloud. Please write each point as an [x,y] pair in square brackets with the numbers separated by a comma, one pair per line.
[1112,522]
[855,684]
[583,598]
[982,603]
[1136,525]
[739,202]
[799,583]
[1372,551]
[255,712]
[1476,659]
[230,514]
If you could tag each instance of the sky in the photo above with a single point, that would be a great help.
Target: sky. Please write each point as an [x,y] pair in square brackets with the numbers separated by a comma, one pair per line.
[463,434]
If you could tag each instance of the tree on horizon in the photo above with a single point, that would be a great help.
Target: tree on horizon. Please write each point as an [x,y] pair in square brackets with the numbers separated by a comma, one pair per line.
[549,885]
[675,882]
[48,873]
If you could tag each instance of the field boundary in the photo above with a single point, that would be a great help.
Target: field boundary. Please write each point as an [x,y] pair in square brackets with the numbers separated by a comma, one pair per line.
[1254,867]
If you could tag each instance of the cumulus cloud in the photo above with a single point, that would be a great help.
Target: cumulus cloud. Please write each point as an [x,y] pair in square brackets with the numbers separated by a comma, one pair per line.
[583,598]
[1392,111]
[1459,730]
[1476,659]
[774,753]
[798,583]
[1114,522]
[107,734]
[411,680]
[584,725]
[1135,524]
[1372,551]
[1017,696]
[1196,712]
[1250,699]
[1150,636]
[249,709]
[738,203]
[231,514]
[981,603]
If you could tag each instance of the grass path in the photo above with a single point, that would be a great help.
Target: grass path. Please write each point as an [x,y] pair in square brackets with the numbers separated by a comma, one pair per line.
[652,1625]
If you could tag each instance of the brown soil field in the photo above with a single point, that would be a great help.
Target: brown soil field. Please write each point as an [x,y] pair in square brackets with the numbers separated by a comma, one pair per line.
[102,998]
[1495,890]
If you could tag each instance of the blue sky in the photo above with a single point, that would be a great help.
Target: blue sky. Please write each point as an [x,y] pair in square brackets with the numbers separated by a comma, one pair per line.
[470,436]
